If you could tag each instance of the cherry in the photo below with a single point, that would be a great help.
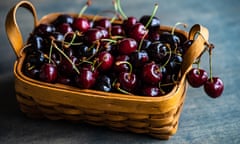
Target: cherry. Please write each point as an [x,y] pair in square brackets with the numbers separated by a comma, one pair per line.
[127,80]
[44,29]
[158,52]
[151,73]
[129,23]
[154,23]
[104,83]
[139,58]
[67,68]
[36,41]
[103,22]
[105,60]
[85,51]
[174,64]
[127,46]
[48,73]
[214,87]
[152,91]
[138,32]
[197,77]
[64,80]
[85,79]
[104,31]
[63,18]
[92,35]
[64,28]
[117,30]
[122,67]
[31,71]
[81,24]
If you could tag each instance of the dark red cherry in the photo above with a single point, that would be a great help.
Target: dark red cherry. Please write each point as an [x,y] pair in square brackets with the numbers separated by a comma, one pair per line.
[105,61]
[152,91]
[67,68]
[197,77]
[85,79]
[80,24]
[138,32]
[92,35]
[123,67]
[103,22]
[214,87]
[129,23]
[48,73]
[64,28]
[127,46]
[117,30]
[128,81]
[151,73]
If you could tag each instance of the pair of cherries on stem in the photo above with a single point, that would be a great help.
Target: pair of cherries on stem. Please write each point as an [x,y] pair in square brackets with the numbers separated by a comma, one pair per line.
[197,77]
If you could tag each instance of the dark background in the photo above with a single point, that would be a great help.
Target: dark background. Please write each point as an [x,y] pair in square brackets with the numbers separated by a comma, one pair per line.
[203,120]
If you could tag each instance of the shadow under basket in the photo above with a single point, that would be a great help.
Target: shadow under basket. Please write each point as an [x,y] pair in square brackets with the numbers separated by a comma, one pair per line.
[155,116]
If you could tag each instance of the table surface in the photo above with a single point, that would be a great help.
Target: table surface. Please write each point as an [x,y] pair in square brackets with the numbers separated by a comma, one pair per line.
[203,120]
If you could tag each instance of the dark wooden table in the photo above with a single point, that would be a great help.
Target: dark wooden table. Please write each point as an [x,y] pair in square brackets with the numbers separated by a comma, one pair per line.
[203,120]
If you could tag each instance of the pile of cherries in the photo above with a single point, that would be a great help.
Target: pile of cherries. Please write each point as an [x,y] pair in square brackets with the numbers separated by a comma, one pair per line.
[131,57]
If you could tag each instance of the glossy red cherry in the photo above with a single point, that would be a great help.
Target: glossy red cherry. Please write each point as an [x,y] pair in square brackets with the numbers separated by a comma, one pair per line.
[48,73]
[128,81]
[81,24]
[151,73]
[105,60]
[85,79]
[127,46]
[214,87]
[138,32]
[197,77]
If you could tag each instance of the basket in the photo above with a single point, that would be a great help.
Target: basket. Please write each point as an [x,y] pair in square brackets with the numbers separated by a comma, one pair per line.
[155,116]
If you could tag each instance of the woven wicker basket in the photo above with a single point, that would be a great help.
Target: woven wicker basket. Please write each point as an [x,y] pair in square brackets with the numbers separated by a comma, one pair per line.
[155,116]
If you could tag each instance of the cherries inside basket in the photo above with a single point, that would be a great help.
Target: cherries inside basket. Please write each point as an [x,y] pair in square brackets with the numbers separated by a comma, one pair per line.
[130,56]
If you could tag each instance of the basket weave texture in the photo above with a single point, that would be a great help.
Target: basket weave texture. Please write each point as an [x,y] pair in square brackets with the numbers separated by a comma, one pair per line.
[155,116]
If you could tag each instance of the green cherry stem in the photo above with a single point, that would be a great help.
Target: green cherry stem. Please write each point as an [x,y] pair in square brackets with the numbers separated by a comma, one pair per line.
[120,9]
[74,66]
[210,61]
[125,62]
[116,85]
[50,54]
[153,14]
[170,55]
[88,3]
[177,24]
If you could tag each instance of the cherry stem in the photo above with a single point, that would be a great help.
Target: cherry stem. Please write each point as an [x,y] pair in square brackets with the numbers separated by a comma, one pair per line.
[170,55]
[209,47]
[125,62]
[88,3]
[177,24]
[50,54]
[74,66]
[120,9]
[109,40]
[153,14]
[141,42]
[116,85]
[210,63]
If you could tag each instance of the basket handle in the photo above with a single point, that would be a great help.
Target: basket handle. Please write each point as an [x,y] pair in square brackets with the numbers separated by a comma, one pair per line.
[197,47]
[12,28]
